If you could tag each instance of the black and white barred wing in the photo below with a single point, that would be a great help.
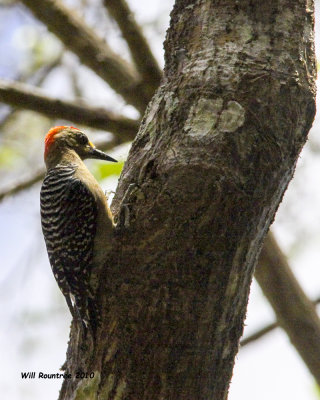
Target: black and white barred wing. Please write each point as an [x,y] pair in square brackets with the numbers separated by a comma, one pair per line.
[68,214]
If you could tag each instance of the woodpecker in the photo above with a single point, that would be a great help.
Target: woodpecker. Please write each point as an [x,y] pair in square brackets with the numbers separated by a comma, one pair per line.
[76,219]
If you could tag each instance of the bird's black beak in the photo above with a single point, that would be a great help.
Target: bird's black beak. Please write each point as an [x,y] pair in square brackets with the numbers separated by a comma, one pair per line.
[99,155]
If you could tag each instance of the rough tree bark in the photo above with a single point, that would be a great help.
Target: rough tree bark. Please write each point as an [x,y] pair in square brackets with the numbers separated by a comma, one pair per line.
[215,152]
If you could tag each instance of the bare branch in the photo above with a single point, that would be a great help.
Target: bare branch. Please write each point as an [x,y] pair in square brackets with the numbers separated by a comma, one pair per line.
[31,98]
[140,50]
[22,184]
[265,330]
[295,312]
[36,176]
[92,51]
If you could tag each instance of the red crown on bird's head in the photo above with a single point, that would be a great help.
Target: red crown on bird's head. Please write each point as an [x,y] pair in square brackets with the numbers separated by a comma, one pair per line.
[49,139]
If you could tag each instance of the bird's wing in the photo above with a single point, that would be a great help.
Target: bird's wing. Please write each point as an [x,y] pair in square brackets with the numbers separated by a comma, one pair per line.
[79,212]
[69,214]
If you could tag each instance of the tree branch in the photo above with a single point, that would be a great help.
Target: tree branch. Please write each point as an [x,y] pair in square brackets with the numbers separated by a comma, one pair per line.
[295,312]
[264,331]
[92,51]
[22,184]
[140,50]
[31,98]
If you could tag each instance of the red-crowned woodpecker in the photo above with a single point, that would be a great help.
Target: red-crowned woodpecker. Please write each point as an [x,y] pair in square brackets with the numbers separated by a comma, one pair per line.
[76,219]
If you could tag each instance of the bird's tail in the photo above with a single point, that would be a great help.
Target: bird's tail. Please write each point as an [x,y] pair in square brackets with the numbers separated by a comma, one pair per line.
[93,316]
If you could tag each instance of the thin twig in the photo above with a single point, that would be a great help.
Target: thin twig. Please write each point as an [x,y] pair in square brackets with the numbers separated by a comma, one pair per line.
[257,335]
[140,50]
[265,330]
[37,79]
[92,51]
[31,98]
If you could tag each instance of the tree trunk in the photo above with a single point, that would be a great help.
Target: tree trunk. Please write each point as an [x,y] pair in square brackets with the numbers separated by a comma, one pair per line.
[215,152]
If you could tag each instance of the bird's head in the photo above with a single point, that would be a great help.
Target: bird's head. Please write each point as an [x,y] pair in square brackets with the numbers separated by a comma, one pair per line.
[63,139]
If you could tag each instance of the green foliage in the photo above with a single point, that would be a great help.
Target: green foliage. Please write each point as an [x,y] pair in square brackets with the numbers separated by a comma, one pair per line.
[317,391]
[8,156]
[21,148]
[38,47]
[102,170]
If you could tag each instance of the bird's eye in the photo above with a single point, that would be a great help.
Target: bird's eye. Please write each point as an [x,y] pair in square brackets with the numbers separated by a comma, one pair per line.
[82,139]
